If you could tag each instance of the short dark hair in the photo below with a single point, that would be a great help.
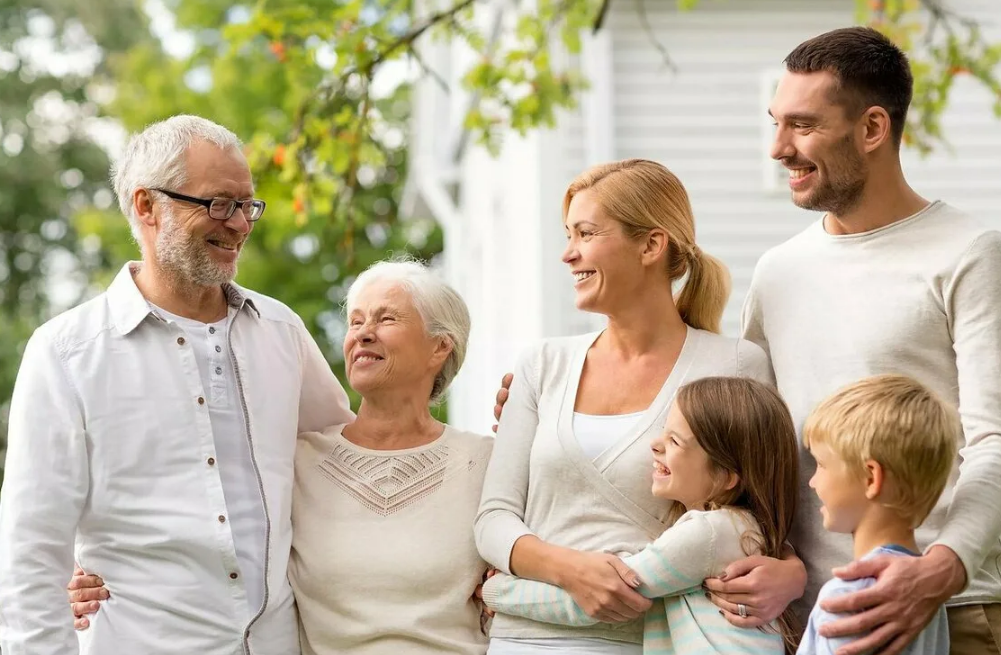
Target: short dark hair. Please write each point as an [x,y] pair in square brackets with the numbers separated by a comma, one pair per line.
[870,71]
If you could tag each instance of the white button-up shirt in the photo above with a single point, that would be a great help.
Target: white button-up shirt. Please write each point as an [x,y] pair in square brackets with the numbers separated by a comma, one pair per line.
[246,516]
[110,444]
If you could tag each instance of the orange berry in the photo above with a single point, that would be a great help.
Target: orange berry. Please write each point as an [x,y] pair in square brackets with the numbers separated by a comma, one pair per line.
[279,156]
[298,206]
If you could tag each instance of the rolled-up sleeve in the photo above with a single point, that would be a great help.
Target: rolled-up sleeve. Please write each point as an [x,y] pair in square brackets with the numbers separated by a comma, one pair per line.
[501,518]
[45,487]
[973,305]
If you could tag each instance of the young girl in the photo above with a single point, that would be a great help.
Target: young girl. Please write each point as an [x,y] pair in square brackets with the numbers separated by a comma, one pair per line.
[728,458]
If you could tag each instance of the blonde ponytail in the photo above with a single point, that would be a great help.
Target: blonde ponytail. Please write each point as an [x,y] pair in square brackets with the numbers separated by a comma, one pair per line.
[643,195]
[703,297]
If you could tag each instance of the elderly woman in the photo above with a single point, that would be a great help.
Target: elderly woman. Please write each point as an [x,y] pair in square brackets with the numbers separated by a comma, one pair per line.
[383,557]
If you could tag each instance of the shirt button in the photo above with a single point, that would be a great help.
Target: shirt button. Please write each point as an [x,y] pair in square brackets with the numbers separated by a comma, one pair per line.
[234,576]
[180,341]
[218,370]
[201,400]
[211,330]
[218,349]
[211,461]
[222,519]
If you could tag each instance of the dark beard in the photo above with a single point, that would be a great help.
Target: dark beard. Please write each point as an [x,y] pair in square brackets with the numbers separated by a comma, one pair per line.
[842,191]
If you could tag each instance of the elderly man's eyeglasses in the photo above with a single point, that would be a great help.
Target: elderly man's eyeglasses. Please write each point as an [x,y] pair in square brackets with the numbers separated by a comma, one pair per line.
[222,209]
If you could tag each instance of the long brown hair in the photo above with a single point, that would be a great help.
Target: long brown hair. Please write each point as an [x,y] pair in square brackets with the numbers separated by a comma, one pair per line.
[745,428]
[642,195]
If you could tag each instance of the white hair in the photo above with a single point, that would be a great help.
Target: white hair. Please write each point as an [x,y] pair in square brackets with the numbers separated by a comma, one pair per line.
[155,157]
[442,309]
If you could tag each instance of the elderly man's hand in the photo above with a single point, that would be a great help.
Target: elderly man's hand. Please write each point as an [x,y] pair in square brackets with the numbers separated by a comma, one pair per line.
[502,395]
[907,594]
[763,585]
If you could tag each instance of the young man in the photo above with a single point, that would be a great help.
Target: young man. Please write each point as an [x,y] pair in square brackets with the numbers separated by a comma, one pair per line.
[886,281]
[884,448]
[155,426]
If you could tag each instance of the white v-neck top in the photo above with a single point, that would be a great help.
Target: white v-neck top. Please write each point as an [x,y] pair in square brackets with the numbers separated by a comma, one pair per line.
[596,433]
[541,482]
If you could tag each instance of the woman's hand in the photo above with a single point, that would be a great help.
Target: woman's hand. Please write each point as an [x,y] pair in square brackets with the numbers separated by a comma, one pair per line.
[85,594]
[603,586]
[763,585]
[485,612]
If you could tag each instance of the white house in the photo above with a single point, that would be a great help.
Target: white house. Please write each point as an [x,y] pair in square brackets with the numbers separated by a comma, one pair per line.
[706,121]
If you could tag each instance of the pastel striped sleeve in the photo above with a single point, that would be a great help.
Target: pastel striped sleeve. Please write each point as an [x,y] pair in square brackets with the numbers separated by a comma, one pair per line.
[530,599]
[679,560]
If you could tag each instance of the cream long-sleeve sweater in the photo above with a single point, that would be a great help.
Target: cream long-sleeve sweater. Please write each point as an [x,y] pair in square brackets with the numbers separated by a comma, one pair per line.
[383,558]
[539,481]
[921,297]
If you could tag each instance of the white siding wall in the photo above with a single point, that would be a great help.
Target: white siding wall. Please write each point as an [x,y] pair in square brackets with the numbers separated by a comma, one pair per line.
[705,120]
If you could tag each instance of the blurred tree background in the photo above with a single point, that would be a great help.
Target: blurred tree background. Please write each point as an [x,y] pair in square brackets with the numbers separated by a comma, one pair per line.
[303,82]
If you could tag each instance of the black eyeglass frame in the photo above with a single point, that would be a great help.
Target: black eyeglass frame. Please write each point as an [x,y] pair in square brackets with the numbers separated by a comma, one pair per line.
[207,204]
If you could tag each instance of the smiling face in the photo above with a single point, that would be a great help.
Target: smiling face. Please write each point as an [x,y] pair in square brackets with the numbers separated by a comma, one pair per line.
[682,470]
[387,346]
[817,141]
[605,263]
[186,242]
[839,489]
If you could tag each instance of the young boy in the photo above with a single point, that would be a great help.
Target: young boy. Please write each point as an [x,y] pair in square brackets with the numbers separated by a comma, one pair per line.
[884,448]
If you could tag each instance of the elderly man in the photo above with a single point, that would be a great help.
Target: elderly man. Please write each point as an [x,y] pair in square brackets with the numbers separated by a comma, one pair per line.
[155,427]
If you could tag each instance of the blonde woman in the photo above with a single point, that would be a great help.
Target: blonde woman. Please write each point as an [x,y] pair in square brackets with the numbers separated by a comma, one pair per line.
[568,486]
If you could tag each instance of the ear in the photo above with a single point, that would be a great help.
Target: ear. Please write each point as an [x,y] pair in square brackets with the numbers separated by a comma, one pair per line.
[442,349]
[732,480]
[874,479]
[655,245]
[876,123]
[142,207]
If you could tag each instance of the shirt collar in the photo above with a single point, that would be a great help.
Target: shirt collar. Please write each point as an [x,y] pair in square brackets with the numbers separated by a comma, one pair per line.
[129,308]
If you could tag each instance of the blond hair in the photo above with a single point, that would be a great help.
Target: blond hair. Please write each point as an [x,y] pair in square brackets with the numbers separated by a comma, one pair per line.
[897,422]
[643,195]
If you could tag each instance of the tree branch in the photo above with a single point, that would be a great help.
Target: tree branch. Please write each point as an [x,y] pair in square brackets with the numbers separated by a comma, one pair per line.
[648,28]
[430,72]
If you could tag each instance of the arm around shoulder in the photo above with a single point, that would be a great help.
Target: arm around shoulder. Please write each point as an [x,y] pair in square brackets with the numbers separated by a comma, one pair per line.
[45,487]
[322,400]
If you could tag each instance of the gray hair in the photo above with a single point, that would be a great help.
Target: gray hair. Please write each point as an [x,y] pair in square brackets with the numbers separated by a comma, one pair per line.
[442,309]
[155,157]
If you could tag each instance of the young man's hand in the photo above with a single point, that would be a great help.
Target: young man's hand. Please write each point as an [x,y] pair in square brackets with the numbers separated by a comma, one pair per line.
[905,598]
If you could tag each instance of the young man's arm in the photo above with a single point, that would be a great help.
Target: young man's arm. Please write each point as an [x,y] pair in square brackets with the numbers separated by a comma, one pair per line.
[45,486]
[973,306]
[910,591]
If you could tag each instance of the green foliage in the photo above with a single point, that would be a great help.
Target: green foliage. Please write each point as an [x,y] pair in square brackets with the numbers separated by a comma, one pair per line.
[318,231]
[942,47]
[50,168]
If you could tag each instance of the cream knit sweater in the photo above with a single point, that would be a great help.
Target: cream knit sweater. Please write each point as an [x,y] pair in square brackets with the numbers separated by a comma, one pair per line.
[383,560]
